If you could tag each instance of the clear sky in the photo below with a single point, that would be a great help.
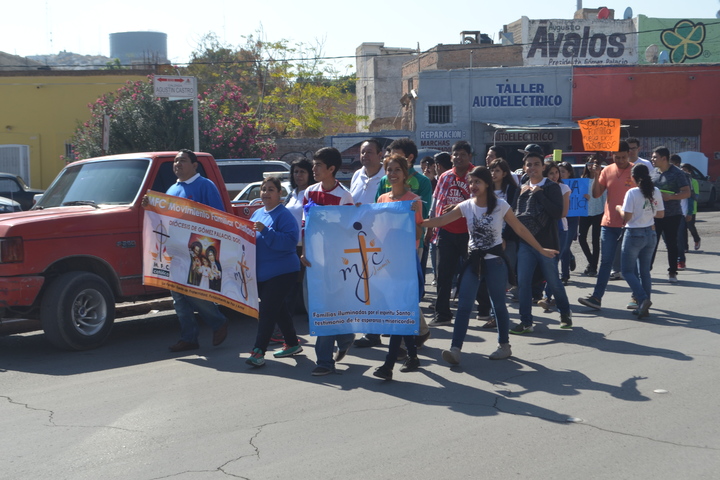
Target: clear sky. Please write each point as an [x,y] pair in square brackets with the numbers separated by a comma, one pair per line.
[36,27]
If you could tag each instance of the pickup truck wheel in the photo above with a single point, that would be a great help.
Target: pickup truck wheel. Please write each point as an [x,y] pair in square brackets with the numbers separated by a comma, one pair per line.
[77,311]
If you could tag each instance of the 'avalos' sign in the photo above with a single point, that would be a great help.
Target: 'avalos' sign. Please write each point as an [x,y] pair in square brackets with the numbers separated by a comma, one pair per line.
[579,42]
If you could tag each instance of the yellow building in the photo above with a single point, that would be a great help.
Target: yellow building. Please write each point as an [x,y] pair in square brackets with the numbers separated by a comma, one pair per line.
[41,109]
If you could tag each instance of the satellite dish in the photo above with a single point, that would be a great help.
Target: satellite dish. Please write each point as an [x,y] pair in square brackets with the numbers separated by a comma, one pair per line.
[603,13]
[651,53]
[664,57]
[628,13]
[468,40]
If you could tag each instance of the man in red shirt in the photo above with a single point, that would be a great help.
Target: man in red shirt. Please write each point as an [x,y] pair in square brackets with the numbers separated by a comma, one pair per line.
[452,239]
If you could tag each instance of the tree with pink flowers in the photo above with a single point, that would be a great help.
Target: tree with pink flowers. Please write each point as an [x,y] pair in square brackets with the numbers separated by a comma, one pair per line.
[141,122]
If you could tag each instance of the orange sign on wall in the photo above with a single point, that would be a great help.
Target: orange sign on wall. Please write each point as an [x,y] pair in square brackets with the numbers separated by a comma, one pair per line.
[600,134]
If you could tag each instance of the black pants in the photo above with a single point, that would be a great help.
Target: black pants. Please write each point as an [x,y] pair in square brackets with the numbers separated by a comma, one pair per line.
[693,230]
[667,227]
[394,348]
[451,248]
[274,309]
[586,224]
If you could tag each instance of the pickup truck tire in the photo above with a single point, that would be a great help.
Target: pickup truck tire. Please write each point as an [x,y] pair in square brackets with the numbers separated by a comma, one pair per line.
[77,311]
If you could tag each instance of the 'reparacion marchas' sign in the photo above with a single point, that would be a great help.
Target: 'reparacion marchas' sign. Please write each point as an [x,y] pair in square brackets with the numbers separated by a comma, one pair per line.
[579,42]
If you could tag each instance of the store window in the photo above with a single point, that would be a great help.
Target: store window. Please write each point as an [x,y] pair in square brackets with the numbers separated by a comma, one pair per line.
[439,114]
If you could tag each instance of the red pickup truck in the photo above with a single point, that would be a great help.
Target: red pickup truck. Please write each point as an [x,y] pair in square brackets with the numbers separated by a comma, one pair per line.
[67,262]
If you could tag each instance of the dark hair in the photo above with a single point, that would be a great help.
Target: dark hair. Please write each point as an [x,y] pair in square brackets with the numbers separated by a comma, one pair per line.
[444,160]
[508,179]
[590,159]
[633,140]
[623,147]
[305,164]
[196,244]
[533,155]
[214,252]
[483,173]
[331,157]
[568,168]
[190,154]
[550,166]
[641,175]
[407,146]
[685,165]
[429,160]
[375,141]
[400,160]
[499,151]
[675,159]
[462,145]
[275,181]
[662,152]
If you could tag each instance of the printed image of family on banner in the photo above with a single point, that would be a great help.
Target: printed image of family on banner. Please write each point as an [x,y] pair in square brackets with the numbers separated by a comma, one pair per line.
[198,251]
[363,277]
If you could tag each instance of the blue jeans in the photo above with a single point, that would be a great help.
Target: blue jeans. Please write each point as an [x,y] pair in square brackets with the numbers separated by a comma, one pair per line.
[324,348]
[528,259]
[637,250]
[562,240]
[185,307]
[495,276]
[609,237]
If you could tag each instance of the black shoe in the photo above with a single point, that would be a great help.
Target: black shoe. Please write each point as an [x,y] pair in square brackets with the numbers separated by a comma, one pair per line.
[341,354]
[573,265]
[183,346]
[402,354]
[421,339]
[383,372]
[410,365]
[439,321]
[369,340]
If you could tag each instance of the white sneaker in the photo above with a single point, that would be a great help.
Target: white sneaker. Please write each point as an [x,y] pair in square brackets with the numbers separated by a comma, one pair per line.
[503,351]
[452,356]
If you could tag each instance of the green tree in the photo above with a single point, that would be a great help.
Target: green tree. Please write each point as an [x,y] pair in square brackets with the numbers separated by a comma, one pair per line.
[141,122]
[292,90]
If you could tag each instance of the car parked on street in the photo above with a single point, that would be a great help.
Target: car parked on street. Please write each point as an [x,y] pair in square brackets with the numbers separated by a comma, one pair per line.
[239,172]
[14,188]
[8,206]
[251,192]
[708,195]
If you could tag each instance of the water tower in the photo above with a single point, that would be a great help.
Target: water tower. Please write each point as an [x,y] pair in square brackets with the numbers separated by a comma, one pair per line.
[139,47]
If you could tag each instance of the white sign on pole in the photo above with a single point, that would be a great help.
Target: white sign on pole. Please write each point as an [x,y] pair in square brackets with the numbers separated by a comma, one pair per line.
[172,86]
[176,88]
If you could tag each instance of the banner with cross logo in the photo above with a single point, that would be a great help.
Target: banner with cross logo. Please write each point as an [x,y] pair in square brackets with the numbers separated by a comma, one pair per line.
[363,277]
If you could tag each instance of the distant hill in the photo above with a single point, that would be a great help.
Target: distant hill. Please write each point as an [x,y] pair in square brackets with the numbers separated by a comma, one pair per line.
[71,61]
[14,62]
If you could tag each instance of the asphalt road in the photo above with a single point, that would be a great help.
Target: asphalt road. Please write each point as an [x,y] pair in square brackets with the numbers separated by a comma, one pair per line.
[613,398]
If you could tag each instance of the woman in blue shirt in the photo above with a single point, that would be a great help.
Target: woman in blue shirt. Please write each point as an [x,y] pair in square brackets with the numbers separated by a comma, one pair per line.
[277,266]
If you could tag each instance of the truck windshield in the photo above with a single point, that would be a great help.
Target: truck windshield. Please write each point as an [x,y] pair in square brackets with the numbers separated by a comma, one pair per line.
[110,182]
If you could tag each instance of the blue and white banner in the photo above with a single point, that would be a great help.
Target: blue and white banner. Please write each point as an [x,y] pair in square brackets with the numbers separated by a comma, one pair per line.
[579,187]
[363,277]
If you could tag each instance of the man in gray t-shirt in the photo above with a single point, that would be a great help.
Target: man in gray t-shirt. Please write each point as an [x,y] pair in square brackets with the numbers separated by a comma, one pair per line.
[674,186]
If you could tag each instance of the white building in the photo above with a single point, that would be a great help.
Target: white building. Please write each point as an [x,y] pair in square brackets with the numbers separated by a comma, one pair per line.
[379,85]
